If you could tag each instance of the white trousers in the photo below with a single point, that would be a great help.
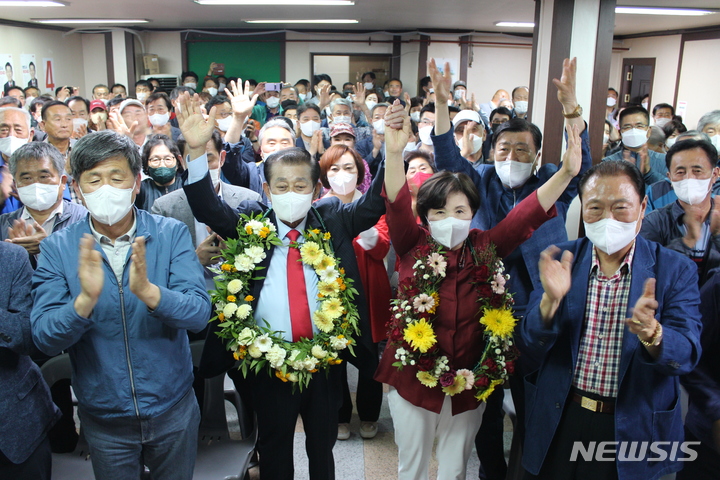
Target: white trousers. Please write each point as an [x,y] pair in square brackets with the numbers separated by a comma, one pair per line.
[415,432]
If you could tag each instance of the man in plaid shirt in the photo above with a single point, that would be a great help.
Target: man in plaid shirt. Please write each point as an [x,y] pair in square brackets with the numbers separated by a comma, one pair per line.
[616,322]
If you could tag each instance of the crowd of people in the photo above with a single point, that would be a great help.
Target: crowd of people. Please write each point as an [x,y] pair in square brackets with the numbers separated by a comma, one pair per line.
[298,227]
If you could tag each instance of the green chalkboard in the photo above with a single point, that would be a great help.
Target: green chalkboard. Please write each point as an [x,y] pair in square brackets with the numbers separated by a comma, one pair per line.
[244,57]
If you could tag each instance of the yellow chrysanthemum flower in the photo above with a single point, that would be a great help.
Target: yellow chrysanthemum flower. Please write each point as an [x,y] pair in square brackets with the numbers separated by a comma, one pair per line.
[333,308]
[315,231]
[457,386]
[248,229]
[311,253]
[435,297]
[325,262]
[420,335]
[264,231]
[483,396]
[231,298]
[500,322]
[427,379]
[327,236]
[328,289]
[322,321]
[249,298]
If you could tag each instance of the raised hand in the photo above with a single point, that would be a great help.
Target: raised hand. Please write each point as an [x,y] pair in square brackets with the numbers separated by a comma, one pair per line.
[91,275]
[360,94]
[643,321]
[117,123]
[242,102]
[467,144]
[566,85]
[147,292]
[406,97]
[27,236]
[693,220]
[442,81]
[316,143]
[572,159]
[556,279]
[324,97]
[196,129]
[397,128]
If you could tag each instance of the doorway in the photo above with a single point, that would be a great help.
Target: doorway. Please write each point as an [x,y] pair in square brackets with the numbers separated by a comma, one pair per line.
[638,75]
[350,68]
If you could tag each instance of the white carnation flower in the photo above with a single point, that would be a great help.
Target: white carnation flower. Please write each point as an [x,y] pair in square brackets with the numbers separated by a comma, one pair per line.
[243,311]
[263,342]
[276,356]
[243,263]
[318,352]
[229,310]
[254,351]
[255,225]
[293,377]
[329,274]
[255,253]
[234,286]
[338,343]
[310,363]
[246,336]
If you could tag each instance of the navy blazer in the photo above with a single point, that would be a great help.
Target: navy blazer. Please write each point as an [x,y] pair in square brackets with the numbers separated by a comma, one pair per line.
[343,221]
[26,408]
[647,406]
[491,192]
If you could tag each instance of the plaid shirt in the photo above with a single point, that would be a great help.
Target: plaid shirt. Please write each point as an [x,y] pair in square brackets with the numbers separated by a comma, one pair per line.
[596,370]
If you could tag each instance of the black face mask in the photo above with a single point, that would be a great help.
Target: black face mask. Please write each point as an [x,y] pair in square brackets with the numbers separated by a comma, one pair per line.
[162,175]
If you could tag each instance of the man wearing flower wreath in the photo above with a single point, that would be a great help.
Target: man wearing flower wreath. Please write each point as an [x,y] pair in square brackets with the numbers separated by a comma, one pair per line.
[616,323]
[450,335]
[288,298]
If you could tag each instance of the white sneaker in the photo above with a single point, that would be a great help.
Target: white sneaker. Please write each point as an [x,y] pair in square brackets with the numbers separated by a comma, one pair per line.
[368,429]
[343,431]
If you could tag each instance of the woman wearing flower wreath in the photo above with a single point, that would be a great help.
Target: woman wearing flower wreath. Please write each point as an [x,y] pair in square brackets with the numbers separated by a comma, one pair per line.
[341,171]
[433,375]
[285,327]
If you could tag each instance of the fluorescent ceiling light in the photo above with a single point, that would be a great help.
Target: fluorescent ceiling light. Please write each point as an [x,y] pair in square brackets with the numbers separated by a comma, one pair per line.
[30,3]
[515,24]
[93,21]
[302,21]
[692,12]
[275,2]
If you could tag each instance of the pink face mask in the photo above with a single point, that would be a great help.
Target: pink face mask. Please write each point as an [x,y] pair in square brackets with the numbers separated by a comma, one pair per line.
[417,180]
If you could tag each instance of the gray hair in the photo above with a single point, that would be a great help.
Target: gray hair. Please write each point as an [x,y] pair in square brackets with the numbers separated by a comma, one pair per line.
[37,151]
[341,101]
[276,122]
[383,104]
[100,146]
[24,112]
[657,136]
[177,91]
[710,118]
[694,134]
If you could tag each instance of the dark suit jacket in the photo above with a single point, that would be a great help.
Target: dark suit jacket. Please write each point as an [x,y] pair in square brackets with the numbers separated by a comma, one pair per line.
[647,406]
[26,408]
[343,221]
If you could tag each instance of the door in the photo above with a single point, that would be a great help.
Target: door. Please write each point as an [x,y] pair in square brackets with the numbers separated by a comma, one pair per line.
[638,74]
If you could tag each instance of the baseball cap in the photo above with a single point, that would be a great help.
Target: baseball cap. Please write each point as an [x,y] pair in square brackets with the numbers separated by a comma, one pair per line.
[130,101]
[465,116]
[97,104]
[342,128]
[459,83]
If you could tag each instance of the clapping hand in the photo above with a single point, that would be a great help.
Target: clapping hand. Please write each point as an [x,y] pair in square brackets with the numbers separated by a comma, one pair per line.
[572,159]
[27,236]
[140,285]
[556,279]
[91,276]
[643,321]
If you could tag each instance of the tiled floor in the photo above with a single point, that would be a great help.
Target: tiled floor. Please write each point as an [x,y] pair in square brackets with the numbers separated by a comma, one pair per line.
[374,459]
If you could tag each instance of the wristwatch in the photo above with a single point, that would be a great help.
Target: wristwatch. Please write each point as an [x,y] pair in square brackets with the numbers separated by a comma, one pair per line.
[656,338]
[575,113]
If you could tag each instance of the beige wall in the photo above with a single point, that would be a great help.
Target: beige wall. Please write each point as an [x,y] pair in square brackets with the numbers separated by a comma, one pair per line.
[66,52]
[698,80]
[94,61]
[496,67]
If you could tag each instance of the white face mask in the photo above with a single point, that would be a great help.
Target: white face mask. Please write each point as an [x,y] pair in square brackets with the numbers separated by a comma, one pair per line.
[98,117]
[610,235]
[105,101]
[192,85]
[224,123]
[634,138]
[221,87]
[370,104]
[692,190]
[410,147]
[670,142]
[38,196]
[431,90]
[477,143]
[308,128]
[294,122]
[212,91]
[606,139]
[424,133]
[272,102]
[521,107]
[341,119]
[9,144]
[142,96]
[645,105]
[343,182]
[611,102]
[379,126]
[291,207]
[458,95]
[415,116]
[79,122]
[449,232]
[661,122]
[513,173]
[386,93]
[368,85]
[215,177]
[715,140]
[108,205]
[159,119]
[28,101]
[303,96]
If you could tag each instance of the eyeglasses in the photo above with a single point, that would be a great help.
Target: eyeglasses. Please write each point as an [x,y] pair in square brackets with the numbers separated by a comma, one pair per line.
[639,126]
[167,161]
